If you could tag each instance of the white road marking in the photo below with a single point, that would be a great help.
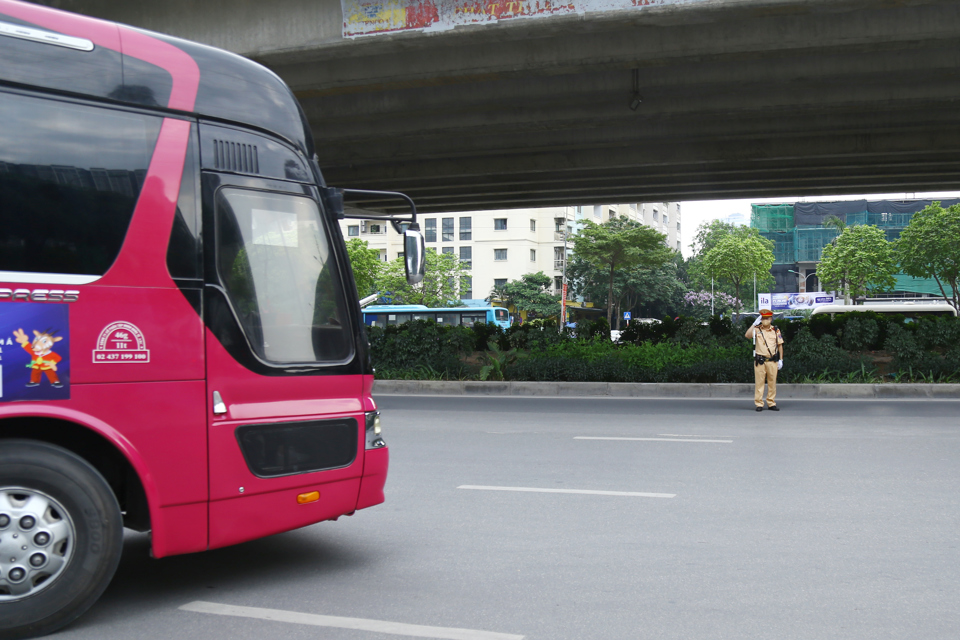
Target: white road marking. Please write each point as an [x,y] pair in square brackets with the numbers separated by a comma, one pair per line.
[361,624]
[689,435]
[651,439]
[588,492]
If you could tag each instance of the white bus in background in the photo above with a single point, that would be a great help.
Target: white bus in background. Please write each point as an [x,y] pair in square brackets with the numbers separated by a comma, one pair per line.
[912,310]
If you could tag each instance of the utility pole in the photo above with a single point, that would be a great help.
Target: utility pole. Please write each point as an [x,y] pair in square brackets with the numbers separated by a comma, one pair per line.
[563,288]
[711,296]
[756,303]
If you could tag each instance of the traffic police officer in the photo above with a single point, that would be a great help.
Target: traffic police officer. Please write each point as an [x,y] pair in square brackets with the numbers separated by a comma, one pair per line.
[767,358]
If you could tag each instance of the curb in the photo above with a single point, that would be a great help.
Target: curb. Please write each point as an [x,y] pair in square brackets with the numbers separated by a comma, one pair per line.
[662,390]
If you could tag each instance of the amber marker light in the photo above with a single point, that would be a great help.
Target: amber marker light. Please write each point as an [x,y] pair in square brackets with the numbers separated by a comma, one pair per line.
[307,498]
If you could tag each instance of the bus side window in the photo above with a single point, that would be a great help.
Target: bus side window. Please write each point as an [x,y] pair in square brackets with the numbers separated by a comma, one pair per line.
[70,176]
[448,319]
[470,319]
[184,249]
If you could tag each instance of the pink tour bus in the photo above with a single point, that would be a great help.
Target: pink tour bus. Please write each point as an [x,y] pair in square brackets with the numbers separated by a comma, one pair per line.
[181,346]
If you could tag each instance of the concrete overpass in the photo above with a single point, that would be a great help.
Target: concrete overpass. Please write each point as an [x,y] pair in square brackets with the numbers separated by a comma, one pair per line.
[469,105]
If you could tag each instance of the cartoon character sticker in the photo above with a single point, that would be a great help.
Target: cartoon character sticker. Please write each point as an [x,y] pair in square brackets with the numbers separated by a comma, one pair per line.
[34,351]
[42,358]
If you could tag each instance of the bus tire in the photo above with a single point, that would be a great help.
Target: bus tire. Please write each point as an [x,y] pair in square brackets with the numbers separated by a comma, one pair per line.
[58,506]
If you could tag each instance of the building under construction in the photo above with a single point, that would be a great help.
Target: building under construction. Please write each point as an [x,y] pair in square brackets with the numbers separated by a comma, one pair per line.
[799,235]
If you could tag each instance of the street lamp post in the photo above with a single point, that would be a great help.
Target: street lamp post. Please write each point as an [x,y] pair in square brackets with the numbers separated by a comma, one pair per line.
[804,279]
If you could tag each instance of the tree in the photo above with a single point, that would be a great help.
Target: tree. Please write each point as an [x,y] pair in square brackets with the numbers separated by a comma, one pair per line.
[862,258]
[930,248]
[710,233]
[439,288]
[530,293]
[620,244]
[737,258]
[366,265]
[698,278]
[657,292]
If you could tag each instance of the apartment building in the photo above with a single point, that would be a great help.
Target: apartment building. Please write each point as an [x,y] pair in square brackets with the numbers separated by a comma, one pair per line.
[497,246]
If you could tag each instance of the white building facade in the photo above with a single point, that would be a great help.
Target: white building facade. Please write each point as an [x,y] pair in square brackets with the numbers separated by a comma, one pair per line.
[497,246]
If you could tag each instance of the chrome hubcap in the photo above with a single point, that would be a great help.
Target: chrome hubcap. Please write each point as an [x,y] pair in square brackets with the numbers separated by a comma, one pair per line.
[37,538]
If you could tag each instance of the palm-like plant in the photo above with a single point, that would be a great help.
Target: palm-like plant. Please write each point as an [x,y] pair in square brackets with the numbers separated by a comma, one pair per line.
[497,360]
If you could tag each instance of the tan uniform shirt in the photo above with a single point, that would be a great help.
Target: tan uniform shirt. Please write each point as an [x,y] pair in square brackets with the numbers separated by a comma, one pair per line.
[766,343]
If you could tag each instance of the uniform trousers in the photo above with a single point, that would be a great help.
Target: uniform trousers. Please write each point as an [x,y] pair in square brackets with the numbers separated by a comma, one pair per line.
[765,373]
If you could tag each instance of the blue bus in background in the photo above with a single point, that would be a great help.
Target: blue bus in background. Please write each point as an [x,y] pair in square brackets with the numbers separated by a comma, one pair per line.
[385,315]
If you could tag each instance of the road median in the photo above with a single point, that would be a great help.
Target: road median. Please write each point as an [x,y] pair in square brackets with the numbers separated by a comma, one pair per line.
[662,390]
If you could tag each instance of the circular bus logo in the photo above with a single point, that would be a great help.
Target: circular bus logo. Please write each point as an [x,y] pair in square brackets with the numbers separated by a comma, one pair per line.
[121,342]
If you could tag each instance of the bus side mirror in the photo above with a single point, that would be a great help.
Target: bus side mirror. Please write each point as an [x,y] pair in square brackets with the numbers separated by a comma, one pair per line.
[414,254]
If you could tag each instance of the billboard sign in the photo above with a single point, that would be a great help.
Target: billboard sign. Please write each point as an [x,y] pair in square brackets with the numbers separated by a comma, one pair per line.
[787,301]
[377,17]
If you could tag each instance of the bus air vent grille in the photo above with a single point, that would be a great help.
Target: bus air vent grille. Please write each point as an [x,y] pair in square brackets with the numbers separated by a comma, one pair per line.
[233,156]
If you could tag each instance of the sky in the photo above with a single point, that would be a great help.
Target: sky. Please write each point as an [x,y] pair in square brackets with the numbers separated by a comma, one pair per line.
[695,213]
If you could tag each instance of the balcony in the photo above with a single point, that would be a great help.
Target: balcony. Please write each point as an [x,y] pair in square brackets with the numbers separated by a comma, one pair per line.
[558,265]
[558,236]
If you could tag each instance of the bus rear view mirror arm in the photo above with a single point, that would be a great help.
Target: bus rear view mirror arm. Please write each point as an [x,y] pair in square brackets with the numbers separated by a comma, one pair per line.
[390,206]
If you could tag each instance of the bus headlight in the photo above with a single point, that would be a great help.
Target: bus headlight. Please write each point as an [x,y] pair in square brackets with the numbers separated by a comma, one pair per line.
[374,441]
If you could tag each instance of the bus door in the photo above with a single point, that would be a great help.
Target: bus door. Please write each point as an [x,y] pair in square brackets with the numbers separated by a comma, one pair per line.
[285,415]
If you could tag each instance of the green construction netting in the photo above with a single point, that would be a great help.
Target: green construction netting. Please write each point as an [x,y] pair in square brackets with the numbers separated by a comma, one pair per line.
[783,246]
[889,219]
[772,217]
[811,241]
[916,285]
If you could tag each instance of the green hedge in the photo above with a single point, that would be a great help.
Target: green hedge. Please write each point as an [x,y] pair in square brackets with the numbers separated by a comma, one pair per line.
[677,350]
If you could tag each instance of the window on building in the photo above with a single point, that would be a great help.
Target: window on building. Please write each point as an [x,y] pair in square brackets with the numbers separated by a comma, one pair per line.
[678,245]
[430,230]
[353,230]
[558,225]
[611,213]
[383,255]
[656,216]
[633,208]
[533,255]
[597,211]
[558,284]
[666,219]
[499,255]
[499,283]
[579,209]
[533,225]
[378,228]
[466,257]
[448,229]
[558,257]
[466,229]
[447,250]
[466,287]
[499,224]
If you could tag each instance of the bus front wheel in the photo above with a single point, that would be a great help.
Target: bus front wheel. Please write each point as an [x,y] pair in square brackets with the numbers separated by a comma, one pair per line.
[61,534]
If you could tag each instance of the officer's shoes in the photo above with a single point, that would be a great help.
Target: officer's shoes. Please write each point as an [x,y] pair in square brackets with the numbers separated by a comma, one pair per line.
[759,408]
[774,408]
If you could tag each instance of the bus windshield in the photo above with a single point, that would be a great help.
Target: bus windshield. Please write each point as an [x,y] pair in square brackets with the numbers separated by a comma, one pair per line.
[275,264]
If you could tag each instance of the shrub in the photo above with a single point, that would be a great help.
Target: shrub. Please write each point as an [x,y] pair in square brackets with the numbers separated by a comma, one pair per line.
[903,346]
[860,334]
[420,343]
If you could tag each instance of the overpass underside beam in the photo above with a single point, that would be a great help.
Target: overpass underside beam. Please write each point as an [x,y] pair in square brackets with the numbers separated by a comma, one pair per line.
[740,98]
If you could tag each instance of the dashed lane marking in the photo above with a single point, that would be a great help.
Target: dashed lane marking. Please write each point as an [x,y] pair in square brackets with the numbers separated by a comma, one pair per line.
[651,439]
[360,624]
[587,492]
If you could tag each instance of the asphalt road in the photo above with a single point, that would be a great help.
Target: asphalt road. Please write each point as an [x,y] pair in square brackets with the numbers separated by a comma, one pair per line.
[830,519]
